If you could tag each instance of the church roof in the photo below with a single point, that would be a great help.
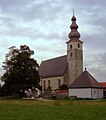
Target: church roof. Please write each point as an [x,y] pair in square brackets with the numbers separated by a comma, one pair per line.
[53,67]
[85,80]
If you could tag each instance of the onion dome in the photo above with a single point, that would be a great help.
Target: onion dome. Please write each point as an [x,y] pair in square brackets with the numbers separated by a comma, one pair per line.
[74,33]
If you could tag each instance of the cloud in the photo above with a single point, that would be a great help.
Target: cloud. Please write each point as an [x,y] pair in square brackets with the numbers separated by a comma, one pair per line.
[31,9]
[41,15]
[43,25]
[96,65]
[94,4]
[9,5]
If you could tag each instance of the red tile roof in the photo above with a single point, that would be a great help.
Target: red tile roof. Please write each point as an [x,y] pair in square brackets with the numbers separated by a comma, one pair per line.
[103,84]
[85,80]
[53,67]
[61,91]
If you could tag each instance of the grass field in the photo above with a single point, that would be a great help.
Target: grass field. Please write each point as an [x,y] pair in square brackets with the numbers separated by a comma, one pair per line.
[52,110]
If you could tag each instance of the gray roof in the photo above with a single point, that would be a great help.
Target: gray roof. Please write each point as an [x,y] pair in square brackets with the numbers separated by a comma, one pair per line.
[85,80]
[53,67]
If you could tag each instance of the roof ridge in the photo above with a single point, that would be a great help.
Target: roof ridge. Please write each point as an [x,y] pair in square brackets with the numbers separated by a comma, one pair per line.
[89,76]
[55,66]
[85,80]
[54,58]
[93,79]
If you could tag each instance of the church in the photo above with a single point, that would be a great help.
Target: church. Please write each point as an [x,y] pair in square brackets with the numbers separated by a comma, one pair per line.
[65,70]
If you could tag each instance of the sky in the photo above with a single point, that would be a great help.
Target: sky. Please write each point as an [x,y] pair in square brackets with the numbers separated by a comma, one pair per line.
[43,25]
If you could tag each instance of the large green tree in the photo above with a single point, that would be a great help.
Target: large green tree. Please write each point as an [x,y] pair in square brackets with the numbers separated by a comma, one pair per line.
[21,71]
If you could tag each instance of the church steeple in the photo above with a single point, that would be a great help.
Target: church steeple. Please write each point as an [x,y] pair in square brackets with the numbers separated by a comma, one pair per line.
[74,33]
[74,52]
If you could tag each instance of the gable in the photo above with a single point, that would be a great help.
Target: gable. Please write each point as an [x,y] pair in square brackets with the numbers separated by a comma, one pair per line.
[53,67]
[85,80]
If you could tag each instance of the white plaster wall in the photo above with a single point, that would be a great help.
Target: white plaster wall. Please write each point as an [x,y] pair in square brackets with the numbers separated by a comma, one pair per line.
[97,93]
[80,92]
[94,93]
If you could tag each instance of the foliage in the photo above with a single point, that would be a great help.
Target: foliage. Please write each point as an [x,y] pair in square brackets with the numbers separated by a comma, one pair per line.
[21,70]
[52,110]
[63,87]
[1,91]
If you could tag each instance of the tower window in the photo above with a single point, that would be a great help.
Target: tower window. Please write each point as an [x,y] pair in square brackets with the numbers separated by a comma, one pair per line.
[78,45]
[71,46]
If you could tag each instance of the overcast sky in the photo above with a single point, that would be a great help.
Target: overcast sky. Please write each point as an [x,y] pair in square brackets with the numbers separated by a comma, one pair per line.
[43,25]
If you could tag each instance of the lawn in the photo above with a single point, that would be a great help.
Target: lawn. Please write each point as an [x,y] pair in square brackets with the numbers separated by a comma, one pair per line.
[52,110]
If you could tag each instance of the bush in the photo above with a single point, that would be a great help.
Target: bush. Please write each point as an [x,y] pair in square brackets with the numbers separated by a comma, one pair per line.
[63,87]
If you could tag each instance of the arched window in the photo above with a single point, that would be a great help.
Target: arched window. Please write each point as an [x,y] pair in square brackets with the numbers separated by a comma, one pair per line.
[44,84]
[59,82]
[71,54]
[71,46]
[78,45]
[48,83]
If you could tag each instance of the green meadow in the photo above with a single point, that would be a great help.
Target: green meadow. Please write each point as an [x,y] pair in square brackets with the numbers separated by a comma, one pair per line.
[52,110]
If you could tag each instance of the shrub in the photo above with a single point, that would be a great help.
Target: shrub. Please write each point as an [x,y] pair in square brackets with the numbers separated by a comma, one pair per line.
[63,87]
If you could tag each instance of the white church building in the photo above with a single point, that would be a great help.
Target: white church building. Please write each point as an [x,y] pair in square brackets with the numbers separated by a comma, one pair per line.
[66,70]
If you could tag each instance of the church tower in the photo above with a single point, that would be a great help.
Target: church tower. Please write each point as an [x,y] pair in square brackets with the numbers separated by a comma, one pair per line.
[74,52]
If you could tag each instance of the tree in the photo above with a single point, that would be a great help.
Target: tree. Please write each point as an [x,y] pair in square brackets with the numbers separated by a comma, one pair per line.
[21,71]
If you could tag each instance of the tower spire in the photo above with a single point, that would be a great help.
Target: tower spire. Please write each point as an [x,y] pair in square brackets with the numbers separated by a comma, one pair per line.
[74,52]
[74,33]
[73,11]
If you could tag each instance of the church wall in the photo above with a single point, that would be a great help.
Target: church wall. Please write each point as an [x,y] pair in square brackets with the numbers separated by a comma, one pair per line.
[74,59]
[75,68]
[66,77]
[74,45]
[52,81]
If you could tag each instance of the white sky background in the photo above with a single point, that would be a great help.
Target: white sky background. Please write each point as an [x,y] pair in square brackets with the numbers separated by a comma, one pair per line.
[43,25]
